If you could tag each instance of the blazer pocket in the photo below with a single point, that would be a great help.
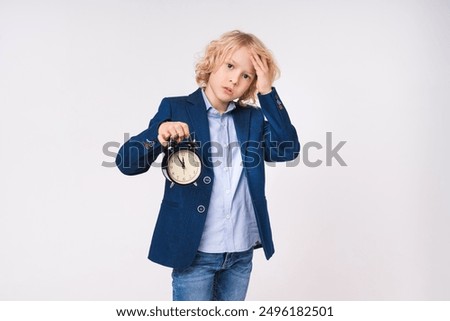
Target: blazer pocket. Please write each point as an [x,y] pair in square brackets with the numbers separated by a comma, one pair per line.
[169,203]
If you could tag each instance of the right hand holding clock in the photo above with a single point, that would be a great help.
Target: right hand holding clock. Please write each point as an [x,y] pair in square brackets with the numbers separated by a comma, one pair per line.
[172,129]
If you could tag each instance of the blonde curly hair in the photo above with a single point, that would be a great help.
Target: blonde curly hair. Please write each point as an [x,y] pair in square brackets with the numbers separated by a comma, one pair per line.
[218,50]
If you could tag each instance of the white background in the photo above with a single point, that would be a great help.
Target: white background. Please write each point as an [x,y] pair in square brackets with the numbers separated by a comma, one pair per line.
[75,75]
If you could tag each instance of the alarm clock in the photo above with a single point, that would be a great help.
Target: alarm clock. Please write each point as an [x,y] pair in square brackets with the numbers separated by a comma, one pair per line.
[181,164]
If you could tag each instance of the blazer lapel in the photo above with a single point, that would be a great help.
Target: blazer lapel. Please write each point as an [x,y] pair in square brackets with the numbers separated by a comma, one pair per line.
[199,125]
[241,117]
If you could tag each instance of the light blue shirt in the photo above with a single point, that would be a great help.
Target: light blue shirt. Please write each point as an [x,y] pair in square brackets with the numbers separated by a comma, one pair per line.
[230,222]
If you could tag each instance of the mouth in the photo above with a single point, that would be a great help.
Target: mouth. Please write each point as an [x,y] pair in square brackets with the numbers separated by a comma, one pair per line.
[228,90]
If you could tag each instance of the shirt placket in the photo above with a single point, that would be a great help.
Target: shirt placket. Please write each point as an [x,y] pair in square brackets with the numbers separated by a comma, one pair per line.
[228,219]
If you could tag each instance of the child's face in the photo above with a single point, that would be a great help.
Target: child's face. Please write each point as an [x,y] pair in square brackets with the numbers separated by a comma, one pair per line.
[231,79]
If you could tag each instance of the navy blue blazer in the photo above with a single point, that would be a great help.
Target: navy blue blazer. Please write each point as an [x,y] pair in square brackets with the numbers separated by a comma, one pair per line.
[264,134]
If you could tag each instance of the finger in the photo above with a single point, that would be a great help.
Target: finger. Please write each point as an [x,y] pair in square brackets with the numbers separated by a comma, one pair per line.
[180,132]
[165,135]
[173,134]
[257,61]
[255,64]
[163,141]
[163,131]
[185,129]
[263,63]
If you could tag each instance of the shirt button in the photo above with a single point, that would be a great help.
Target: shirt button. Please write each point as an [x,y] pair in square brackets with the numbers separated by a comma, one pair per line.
[228,217]
[227,191]
[200,209]
[206,179]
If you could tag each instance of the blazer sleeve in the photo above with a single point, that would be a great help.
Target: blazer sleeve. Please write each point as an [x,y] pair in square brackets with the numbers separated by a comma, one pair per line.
[137,154]
[280,136]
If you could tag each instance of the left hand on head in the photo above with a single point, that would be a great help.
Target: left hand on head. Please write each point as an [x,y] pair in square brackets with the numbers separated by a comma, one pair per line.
[263,81]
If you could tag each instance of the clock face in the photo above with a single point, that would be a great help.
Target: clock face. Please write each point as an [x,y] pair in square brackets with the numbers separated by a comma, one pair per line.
[184,167]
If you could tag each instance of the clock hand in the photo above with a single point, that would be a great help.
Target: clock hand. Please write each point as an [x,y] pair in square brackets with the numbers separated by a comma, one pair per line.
[181,161]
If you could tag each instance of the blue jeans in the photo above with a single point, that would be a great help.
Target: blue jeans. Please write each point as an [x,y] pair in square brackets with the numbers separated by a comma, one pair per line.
[214,277]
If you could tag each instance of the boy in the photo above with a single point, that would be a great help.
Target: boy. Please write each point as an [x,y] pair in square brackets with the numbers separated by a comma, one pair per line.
[207,231]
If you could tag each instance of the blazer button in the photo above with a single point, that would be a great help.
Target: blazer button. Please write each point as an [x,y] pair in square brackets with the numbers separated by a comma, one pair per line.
[279,104]
[201,209]
[206,179]
[149,144]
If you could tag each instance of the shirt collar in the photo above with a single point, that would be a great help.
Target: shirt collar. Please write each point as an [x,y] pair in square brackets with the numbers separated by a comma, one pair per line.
[231,105]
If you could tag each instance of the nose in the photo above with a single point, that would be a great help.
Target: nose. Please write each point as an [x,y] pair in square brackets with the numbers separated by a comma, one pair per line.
[234,78]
